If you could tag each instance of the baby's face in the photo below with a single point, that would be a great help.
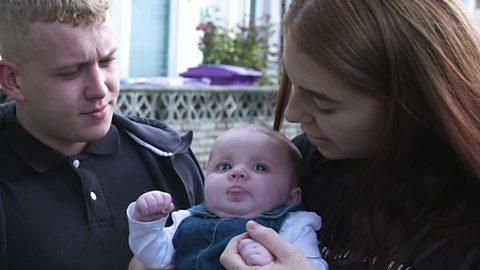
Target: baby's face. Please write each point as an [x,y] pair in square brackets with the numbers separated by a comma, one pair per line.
[248,174]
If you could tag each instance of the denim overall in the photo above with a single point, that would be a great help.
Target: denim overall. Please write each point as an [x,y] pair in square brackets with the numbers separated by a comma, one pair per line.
[201,238]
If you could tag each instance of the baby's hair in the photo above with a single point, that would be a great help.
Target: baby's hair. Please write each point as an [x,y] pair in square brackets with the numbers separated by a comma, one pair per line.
[294,154]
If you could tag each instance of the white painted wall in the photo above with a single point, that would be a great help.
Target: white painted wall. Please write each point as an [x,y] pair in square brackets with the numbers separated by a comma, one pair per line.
[184,38]
[121,16]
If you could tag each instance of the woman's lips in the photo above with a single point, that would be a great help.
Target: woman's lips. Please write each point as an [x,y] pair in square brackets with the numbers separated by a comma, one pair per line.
[318,140]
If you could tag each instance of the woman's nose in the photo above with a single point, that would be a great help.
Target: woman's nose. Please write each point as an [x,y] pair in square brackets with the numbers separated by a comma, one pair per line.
[298,109]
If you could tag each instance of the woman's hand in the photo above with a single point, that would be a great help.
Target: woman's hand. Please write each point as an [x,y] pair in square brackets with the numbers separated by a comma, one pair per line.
[136,265]
[287,257]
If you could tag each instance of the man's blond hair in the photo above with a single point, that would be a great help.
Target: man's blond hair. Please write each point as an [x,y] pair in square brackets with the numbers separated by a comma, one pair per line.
[17,15]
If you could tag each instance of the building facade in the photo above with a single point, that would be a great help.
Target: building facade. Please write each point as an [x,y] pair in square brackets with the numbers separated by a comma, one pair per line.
[159,37]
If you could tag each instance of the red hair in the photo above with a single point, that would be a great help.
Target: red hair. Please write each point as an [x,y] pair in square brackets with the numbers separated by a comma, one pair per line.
[424,58]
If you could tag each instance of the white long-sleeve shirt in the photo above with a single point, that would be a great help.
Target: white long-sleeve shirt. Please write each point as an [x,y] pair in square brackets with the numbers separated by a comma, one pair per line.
[151,242]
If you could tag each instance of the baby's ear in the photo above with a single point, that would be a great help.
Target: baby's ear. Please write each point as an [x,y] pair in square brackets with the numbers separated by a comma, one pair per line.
[295,195]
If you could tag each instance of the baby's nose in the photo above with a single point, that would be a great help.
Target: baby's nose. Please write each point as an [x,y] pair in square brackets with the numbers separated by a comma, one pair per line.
[238,174]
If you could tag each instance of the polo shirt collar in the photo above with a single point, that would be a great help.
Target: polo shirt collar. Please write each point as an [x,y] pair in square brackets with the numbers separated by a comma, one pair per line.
[42,157]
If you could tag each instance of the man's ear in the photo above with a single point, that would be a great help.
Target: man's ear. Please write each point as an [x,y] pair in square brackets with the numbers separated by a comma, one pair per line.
[295,195]
[9,80]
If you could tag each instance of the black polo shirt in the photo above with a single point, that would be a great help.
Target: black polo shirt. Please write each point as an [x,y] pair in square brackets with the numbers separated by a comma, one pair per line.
[68,212]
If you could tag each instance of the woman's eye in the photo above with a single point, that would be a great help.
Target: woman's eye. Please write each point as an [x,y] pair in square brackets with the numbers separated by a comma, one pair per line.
[320,108]
[326,111]
[224,167]
[260,168]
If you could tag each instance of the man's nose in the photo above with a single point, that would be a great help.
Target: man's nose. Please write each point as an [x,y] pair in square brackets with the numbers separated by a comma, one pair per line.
[97,87]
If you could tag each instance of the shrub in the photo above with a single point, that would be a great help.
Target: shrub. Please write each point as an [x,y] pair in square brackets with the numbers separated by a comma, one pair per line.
[247,46]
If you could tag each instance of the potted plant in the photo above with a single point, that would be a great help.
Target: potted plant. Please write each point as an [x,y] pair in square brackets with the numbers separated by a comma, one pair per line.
[244,46]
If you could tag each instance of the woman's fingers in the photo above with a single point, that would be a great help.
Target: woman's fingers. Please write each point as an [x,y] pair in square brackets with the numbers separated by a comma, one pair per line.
[230,257]
[270,239]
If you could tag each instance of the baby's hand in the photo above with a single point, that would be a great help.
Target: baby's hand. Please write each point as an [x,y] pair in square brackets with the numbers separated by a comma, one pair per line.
[153,205]
[253,253]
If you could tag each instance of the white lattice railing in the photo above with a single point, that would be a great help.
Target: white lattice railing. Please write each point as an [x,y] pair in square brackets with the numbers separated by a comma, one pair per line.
[198,104]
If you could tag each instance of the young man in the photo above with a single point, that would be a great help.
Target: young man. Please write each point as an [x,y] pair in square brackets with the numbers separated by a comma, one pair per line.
[69,166]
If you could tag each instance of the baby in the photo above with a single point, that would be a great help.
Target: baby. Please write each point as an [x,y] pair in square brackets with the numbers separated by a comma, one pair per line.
[252,174]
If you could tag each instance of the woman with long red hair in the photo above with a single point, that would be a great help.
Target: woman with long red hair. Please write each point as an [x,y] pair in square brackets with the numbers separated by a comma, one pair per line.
[387,93]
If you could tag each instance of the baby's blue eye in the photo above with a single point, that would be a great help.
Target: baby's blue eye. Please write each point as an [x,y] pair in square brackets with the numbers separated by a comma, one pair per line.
[224,166]
[260,168]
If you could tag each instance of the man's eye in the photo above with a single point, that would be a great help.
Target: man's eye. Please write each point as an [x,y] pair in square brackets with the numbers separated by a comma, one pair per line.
[260,168]
[224,167]
[69,73]
[107,61]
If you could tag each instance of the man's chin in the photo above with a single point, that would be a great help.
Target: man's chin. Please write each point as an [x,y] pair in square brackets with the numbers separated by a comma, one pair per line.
[94,134]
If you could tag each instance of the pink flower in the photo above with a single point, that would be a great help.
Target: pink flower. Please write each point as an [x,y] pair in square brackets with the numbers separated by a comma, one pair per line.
[206,27]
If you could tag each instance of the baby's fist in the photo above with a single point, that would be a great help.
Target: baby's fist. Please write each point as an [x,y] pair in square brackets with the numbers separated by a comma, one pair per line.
[153,205]
[253,253]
